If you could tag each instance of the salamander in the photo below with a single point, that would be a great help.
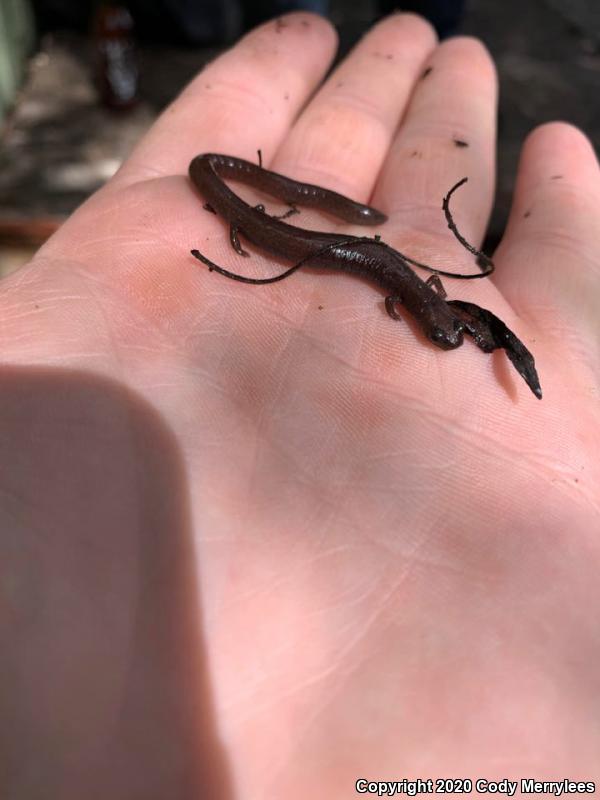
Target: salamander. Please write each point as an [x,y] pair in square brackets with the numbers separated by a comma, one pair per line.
[444,322]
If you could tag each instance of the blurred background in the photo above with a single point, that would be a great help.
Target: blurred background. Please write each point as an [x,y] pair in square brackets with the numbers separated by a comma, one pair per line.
[81,81]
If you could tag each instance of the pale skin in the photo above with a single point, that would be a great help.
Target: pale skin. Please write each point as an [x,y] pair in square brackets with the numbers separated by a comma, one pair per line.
[261,541]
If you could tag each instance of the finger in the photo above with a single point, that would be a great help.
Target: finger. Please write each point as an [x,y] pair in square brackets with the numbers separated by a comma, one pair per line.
[548,259]
[342,137]
[244,100]
[448,132]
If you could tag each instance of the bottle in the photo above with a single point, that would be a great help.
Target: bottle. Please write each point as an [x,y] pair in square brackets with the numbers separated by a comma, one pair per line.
[117,74]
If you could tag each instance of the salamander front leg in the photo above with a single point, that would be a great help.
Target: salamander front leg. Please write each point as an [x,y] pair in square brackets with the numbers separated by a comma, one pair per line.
[235,241]
[390,305]
[435,282]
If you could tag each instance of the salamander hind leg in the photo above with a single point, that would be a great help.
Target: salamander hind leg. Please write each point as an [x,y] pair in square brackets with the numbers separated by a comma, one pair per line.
[289,213]
[286,214]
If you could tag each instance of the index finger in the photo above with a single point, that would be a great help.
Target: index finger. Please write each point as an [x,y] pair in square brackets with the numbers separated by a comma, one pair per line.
[244,100]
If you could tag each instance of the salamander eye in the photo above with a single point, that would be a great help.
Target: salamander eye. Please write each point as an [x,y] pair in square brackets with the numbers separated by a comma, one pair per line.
[438,335]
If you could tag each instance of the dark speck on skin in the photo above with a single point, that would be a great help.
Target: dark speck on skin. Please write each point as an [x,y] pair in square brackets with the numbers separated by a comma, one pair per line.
[280,25]
[556,177]
[527,214]
[320,308]
[426,72]
[460,143]
[416,154]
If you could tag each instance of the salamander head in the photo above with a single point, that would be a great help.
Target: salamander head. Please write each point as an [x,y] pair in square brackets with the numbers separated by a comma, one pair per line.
[446,334]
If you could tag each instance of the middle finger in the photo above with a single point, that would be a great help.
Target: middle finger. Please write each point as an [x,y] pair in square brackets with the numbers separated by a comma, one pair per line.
[342,137]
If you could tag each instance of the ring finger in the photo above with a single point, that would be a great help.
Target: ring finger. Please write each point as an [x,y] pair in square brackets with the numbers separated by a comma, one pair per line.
[448,132]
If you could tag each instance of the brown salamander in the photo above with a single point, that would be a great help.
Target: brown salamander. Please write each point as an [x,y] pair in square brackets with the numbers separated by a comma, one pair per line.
[444,322]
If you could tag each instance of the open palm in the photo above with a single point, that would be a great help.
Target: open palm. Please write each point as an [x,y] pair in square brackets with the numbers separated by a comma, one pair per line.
[260,542]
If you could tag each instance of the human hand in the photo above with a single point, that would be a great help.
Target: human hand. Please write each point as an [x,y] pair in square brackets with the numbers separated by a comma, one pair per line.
[256,548]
